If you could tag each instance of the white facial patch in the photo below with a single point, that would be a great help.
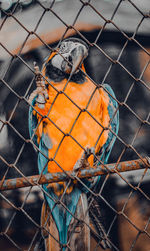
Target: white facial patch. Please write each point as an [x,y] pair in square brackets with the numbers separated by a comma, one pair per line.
[57,61]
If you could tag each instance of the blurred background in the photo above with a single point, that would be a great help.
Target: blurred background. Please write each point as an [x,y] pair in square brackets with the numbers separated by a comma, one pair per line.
[120,31]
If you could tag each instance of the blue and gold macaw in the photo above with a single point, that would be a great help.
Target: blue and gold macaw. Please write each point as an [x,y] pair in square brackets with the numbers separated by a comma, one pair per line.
[71,121]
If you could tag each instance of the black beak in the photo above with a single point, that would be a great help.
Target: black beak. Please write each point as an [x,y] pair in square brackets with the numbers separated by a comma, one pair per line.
[75,59]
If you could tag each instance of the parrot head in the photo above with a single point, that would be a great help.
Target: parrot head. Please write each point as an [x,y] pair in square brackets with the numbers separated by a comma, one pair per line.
[66,61]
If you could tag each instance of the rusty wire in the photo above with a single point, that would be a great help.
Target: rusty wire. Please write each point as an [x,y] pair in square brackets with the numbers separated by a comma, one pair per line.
[36,180]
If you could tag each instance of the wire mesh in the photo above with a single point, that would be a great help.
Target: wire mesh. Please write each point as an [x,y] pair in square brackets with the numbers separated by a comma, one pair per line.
[121,200]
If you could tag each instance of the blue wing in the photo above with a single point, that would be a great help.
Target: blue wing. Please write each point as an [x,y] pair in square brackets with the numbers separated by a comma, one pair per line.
[61,216]
[114,122]
[32,123]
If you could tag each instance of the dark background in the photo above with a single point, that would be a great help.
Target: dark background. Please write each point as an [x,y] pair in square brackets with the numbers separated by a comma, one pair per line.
[18,76]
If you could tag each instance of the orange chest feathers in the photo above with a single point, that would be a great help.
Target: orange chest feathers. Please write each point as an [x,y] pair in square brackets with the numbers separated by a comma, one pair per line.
[74,120]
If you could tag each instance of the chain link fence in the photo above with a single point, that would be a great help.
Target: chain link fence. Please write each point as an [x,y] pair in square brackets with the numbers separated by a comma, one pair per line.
[119,55]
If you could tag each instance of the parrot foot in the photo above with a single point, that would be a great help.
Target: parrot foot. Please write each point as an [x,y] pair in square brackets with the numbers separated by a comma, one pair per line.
[83,161]
[40,92]
[89,151]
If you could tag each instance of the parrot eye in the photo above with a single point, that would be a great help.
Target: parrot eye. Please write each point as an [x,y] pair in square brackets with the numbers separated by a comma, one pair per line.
[63,48]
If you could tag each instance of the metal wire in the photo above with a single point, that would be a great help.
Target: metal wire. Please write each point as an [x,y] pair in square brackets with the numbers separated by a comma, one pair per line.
[15,174]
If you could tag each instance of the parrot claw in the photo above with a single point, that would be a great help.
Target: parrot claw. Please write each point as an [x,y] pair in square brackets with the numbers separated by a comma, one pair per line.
[40,91]
[83,161]
[42,96]
[89,151]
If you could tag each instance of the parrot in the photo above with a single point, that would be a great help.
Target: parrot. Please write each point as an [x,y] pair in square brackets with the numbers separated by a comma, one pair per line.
[73,124]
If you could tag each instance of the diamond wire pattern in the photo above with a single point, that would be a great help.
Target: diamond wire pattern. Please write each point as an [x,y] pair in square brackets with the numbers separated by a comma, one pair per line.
[14,166]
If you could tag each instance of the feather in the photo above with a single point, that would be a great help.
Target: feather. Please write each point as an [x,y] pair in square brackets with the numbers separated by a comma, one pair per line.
[74,122]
